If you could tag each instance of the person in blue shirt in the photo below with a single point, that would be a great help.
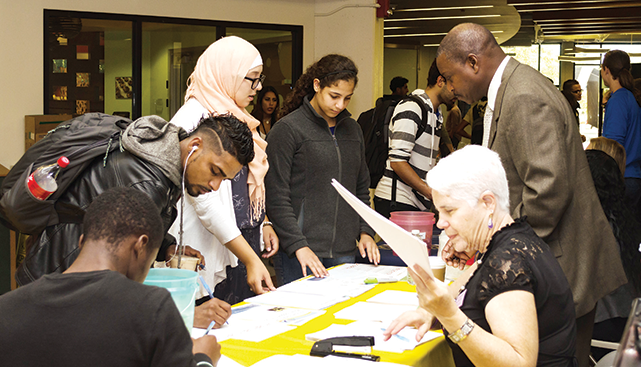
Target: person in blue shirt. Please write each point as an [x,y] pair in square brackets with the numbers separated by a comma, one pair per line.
[622,121]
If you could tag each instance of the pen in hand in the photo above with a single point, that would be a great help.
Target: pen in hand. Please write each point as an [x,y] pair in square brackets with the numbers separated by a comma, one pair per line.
[202,281]
[211,294]
[211,326]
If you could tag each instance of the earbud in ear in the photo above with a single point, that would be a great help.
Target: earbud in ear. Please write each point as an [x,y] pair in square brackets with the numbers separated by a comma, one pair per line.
[193,149]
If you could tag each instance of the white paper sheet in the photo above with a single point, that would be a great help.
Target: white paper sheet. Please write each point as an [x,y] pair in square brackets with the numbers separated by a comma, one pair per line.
[245,330]
[288,299]
[409,248]
[391,297]
[359,272]
[298,360]
[225,361]
[369,311]
[269,314]
[331,286]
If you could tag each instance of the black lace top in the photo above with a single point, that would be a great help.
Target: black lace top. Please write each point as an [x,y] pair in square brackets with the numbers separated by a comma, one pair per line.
[517,259]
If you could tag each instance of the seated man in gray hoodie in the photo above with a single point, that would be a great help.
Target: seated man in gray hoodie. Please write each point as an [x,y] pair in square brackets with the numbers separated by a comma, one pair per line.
[154,158]
[97,313]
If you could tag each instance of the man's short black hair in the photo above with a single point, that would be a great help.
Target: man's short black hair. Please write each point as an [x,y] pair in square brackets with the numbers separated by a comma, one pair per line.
[433,74]
[397,82]
[229,132]
[121,212]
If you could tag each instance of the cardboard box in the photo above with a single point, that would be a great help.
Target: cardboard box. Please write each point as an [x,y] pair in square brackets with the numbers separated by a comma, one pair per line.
[37,126]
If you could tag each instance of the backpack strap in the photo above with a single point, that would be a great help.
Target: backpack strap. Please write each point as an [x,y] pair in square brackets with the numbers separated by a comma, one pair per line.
[422,126]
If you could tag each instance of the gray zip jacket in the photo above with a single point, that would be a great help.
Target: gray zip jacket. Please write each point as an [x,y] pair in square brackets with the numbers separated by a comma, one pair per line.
[302,204]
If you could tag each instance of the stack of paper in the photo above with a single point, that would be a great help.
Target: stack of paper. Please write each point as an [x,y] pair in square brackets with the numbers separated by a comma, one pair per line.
[344,281]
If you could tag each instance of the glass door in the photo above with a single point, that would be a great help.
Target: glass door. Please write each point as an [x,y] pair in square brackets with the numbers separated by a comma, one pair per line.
[89,66]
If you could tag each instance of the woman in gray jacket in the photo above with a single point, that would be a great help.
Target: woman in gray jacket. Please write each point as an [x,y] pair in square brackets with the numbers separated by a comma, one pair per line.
[316,141]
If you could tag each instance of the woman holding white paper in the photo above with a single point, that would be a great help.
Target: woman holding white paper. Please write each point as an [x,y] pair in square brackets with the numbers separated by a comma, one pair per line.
[514,306]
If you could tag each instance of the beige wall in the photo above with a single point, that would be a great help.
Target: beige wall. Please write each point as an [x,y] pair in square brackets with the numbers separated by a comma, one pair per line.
[21,69]
[351,28]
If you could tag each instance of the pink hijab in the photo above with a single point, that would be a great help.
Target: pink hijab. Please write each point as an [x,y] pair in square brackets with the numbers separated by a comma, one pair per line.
[218,74]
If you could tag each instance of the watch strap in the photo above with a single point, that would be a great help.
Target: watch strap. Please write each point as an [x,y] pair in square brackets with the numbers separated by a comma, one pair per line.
[462,333]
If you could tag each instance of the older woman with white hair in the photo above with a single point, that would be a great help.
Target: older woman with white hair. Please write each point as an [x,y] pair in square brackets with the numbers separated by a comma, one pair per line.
[514,306]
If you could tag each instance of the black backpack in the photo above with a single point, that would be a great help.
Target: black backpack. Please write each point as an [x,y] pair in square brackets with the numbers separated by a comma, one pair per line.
[81,139]
[375,125]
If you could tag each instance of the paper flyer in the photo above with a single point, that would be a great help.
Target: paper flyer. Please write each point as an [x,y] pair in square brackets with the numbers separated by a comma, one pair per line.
[409,248]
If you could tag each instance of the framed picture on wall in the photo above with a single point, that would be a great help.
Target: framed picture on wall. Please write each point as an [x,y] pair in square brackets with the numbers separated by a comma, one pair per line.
[60,93]
[59,66]
[123,87]
[82,107]
[82,80]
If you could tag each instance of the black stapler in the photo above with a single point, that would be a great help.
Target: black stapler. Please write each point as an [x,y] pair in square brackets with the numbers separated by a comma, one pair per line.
[325,347]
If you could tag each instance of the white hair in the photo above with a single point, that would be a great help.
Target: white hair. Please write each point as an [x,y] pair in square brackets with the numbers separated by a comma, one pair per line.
[467,173]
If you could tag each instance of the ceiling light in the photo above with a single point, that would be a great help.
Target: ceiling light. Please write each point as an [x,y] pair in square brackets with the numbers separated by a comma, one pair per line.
[444,18]
[416,35]
[447,8]
[422,34]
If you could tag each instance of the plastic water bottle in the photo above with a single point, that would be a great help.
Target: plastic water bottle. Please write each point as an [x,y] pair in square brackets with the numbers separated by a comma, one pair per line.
[42,182]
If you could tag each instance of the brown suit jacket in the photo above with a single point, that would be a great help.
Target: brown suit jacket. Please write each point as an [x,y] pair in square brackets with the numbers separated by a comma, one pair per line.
[534,132]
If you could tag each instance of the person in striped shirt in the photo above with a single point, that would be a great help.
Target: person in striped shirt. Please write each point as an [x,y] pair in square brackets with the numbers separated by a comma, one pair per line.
[413,153]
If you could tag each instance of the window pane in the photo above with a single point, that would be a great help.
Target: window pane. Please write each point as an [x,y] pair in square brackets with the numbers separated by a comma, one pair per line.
[275,48]
[169,55]
[90,66]
[525,55]
[550,61]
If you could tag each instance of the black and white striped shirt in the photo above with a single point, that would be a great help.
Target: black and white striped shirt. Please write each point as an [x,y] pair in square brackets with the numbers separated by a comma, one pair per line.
[420,154]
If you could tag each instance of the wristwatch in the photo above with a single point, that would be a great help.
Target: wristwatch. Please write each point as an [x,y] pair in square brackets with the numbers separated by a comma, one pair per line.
[462,333]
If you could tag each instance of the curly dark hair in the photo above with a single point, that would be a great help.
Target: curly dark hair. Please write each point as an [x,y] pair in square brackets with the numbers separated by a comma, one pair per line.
[122,212]
[230,133]
[328,70]
[610,188]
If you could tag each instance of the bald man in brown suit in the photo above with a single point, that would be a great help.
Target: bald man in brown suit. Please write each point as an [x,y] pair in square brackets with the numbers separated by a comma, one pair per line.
[532,128]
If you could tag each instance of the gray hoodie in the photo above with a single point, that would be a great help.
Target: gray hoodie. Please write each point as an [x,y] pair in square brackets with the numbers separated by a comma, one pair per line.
[156,141]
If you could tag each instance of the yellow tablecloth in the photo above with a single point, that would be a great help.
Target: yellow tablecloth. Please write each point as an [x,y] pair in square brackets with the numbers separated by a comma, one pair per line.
[433,353]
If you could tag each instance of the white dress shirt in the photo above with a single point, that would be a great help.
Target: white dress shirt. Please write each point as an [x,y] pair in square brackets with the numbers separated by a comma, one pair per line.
[491,100]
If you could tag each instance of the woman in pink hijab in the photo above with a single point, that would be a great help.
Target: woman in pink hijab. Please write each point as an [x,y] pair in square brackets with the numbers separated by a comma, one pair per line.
[226,79]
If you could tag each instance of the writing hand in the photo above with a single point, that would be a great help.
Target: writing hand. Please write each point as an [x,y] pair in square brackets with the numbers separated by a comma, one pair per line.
[214,309]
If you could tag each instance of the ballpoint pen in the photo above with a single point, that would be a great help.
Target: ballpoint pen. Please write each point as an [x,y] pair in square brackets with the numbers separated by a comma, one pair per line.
[211,326]
[202,281]
[211,294]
